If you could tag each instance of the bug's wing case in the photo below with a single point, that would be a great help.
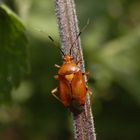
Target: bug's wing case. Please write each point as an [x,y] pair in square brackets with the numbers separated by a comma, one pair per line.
[79,88]
[64,91]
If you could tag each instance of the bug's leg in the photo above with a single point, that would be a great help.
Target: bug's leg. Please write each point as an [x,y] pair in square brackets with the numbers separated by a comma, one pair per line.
[89,91]
[54,90]
[87,74]
[54,95]
[57,66]
[56,77]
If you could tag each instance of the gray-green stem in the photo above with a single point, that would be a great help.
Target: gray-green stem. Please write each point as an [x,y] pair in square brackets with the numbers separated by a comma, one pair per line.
[68,28]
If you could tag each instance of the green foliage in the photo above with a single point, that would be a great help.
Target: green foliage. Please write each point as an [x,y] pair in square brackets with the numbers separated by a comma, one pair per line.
[118,61]
[111,45]
[13,51]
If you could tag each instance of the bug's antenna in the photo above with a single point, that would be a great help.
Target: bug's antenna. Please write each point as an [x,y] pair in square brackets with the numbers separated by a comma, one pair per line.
[62,52]
[52,40]
[79,35]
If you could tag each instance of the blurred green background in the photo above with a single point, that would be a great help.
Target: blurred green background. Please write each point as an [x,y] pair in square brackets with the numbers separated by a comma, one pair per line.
[111,45]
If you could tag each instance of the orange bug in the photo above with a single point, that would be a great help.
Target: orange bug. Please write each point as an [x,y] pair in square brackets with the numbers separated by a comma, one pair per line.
[72,87]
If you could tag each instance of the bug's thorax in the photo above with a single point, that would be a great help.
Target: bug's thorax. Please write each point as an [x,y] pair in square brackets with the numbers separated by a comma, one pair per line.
[69,67]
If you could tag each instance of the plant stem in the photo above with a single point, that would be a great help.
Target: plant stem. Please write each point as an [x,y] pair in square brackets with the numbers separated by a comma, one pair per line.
[68,28]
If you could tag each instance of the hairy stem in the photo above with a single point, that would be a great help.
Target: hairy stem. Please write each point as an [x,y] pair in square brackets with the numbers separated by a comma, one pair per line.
[68,28]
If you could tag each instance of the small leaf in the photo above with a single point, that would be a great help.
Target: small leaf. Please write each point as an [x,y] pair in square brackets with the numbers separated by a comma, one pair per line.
[13,51]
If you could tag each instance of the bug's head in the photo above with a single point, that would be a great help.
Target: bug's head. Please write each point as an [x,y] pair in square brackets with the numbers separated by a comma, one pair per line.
[68,58]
